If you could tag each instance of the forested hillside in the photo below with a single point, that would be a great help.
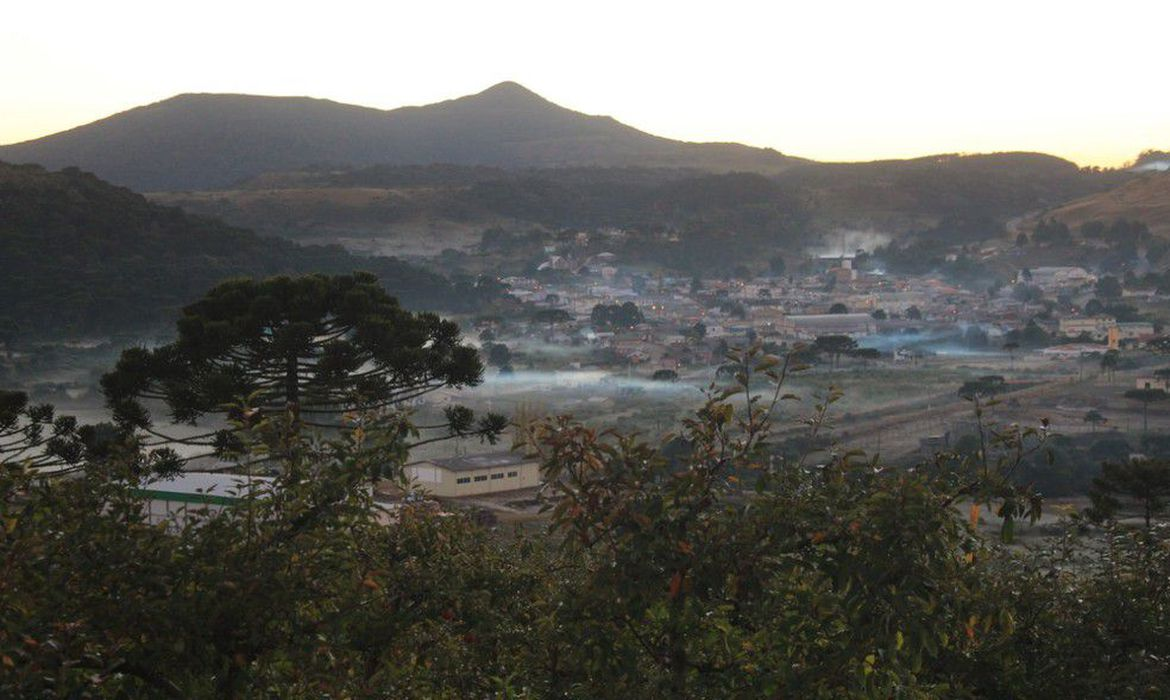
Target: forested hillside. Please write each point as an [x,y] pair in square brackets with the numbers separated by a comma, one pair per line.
[79,255]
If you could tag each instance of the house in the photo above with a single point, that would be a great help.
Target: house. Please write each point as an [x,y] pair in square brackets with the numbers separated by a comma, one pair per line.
[1150,382]
[475,475]
[197,495]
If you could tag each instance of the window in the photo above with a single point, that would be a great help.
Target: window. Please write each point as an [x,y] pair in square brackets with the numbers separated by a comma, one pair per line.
[512,475]
[481,478]
[497,476]
[463,480]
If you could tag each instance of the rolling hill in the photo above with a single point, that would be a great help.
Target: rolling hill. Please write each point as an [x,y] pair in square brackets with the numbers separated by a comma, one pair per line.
[413,205]
[1145,198]
[83,256]
[211,141]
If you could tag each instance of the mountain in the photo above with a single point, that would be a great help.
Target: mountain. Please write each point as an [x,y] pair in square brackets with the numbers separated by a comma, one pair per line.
[83,256]
[208,141]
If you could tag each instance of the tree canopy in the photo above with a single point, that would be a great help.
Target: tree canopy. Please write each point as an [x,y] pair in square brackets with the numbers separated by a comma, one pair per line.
[1146,397]
[1108,287]
[1141,483]
[34,436]
[984,387]
[315,346]
[834,346]
[616,316]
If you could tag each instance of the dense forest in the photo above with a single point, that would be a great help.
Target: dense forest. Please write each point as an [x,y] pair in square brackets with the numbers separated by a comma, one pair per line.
[82,256]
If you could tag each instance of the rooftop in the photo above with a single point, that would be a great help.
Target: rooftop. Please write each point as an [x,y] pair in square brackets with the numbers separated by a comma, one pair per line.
[482,461]
[203,486]
[830,317]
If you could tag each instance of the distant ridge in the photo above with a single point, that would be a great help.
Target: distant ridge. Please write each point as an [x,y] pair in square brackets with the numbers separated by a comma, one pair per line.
[207,141]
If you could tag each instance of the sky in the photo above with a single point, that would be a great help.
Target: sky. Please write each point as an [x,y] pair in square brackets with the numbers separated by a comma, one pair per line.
[827,80]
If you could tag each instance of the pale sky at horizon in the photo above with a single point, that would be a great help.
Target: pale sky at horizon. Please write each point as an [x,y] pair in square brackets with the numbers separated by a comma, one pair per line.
[826,80]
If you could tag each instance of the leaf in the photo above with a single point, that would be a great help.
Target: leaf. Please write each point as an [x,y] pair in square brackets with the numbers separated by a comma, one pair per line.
[973,515]
[1007,621]
[929,644]
[676,584]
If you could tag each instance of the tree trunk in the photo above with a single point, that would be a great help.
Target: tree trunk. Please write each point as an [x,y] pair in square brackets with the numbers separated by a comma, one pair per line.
[292,387]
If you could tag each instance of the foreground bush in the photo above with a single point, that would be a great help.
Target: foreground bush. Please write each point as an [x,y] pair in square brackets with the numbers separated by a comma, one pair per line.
[723,573]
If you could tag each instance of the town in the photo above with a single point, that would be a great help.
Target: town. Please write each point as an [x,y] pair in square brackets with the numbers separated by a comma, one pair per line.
[613,350]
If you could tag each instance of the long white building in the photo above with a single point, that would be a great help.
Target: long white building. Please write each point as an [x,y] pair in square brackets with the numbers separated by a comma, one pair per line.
[810,326]
[475,475]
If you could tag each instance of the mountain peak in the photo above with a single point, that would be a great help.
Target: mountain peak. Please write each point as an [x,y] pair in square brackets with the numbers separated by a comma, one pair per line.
[509,92]
[511,88]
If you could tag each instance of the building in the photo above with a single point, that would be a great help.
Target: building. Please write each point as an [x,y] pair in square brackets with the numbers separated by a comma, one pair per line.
[1071,351]
[1052,278]
[475,475]
[196,495]
[1095,327]
[812,325]
[1153,383]
[1134,330]
[1105,328]
[933,444]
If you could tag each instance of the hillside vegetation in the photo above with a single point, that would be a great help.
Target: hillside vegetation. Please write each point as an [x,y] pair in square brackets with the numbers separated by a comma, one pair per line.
[1145,198]
[80,255]
[966,196]
[994,186]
